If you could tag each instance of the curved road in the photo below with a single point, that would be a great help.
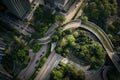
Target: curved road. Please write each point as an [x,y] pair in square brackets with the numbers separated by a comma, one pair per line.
[100,34]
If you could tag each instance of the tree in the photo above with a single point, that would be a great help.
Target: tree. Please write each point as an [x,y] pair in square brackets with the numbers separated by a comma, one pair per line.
[55,38]
[66,51]
[19,41]
[59,50]
[43,59]
[80,75]
[36,47]
[97,8]
[59,32]
[75,34]
[39,13]
[63,42]
[21,54]
[56,18]
[68,31]
[67,72]
[59,18]
[62,19]
[72,44]
[77,47]
[85,19]
[58,75]
[82,33]
[70,38]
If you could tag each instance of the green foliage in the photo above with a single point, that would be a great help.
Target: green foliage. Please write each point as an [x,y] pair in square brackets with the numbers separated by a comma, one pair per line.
[63,42]
[41,14]
[57,75]
[82,33]
[62,19]
[85,19]
[75,34]
[77,47]
[43,21]
[70,38]
[23,56]
[55,38]
[68,31]
[36,47]
[69,41]
[113,30]
[57,34]
[19,41]
[66,51]
[59,18]
[7,51]
[72,44]
[90,51]
[59,50]
[42,61]
[84,47]
[16,51]
[40,31]
[99,11]
[67,72]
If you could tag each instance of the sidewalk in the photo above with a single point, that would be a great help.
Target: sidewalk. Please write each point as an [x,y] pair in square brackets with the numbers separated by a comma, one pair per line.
[71,14]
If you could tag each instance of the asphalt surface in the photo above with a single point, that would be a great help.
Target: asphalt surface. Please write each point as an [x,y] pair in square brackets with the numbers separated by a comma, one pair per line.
[29,71]
[97,32]
[52,62]
[100,34]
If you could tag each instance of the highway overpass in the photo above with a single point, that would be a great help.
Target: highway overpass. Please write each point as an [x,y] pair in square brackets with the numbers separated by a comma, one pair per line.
[100,34]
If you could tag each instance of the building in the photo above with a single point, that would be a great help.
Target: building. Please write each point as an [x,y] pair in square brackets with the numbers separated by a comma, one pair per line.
[61,3]
[62,7]
[31,1]
[18,7]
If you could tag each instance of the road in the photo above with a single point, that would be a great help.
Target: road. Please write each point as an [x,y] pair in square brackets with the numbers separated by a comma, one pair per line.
[95,30]
[35,4]
[5,73]
[72,13]
[30,69]
[49,33]
[52,62]
[22,27]
[100,34]
[102,73]
[106,69]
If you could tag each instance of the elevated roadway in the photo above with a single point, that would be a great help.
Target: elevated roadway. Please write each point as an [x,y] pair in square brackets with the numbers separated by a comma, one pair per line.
[99,33]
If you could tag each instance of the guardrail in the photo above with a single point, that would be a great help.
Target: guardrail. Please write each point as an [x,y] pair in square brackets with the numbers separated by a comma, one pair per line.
[102,31]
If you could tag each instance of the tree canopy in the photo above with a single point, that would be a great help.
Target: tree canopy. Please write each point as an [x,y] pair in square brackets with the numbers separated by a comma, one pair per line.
[67,72]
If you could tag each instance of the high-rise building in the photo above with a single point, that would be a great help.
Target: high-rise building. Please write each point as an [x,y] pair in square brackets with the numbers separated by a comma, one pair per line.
[18,7]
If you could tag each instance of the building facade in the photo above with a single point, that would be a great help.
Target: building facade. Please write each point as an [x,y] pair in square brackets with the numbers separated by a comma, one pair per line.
[62,7]
[18,7]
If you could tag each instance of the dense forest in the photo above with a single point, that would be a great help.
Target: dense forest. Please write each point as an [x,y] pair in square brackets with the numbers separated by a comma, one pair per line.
[99,10]
[105,13]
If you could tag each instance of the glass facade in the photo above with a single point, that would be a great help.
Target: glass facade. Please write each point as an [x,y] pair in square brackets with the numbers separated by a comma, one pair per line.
[18,7]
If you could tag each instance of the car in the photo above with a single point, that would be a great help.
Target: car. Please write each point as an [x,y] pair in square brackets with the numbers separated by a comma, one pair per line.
[40,55]
[43,52]
[37,61]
